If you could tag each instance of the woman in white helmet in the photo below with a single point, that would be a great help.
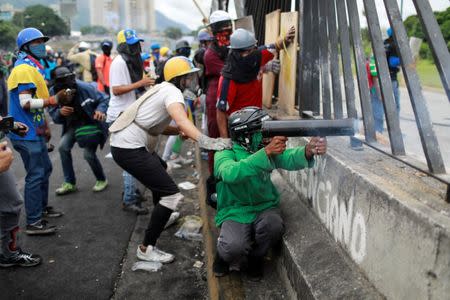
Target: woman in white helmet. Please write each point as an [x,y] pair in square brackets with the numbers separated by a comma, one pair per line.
[152,114]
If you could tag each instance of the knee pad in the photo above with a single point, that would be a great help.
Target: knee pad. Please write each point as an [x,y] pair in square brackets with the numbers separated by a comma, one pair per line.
[172,201]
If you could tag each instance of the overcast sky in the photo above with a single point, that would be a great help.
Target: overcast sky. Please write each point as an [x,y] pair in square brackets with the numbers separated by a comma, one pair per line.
[186,12]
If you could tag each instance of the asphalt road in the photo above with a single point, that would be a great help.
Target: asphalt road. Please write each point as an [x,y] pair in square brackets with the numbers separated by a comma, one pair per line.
[91,255]
[83,259]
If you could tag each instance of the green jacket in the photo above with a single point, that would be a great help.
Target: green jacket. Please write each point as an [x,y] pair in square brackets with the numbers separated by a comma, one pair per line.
[244,188]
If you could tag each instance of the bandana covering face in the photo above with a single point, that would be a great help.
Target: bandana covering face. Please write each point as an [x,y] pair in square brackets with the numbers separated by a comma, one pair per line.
[131,54]
[221,42]
[242,69]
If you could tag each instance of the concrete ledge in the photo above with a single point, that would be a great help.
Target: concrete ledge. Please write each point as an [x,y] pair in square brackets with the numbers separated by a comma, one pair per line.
[391,220]
[315,265]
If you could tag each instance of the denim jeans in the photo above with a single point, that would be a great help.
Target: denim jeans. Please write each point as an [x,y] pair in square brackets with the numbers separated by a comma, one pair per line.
[65,147]
[378,111]
[396,96]
[38,167]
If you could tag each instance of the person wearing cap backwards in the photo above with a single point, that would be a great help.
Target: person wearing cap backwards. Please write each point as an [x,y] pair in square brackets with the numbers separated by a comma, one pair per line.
[102,65]
[248,202]
[81,54]
[29,96]
[152,114]
[241,82]
[86,112]
[126,83]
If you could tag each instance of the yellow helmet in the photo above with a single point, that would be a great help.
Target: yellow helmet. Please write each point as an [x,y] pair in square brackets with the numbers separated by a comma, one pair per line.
[178,66]
[164,51]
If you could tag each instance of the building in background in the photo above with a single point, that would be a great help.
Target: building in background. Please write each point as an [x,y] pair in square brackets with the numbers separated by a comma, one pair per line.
[116,14]
[7,11]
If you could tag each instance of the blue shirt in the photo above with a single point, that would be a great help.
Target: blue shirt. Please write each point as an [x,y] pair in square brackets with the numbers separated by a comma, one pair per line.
[34,118]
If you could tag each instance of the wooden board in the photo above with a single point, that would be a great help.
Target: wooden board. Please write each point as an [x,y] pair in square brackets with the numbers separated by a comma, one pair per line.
[245,23]
[271,34]
[288,60]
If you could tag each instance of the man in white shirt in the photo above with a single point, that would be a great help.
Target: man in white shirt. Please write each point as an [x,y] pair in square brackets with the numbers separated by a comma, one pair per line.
[127,82]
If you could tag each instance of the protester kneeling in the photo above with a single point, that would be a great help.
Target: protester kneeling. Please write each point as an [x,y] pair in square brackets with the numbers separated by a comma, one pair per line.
[247,205]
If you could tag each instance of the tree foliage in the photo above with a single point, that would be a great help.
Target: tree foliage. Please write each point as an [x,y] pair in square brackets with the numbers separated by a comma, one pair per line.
[414,28]
[8,32]
[173,33]
[96,29]
[42,18]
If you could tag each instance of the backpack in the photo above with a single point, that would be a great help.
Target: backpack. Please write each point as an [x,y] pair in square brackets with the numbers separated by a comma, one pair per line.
[92,58]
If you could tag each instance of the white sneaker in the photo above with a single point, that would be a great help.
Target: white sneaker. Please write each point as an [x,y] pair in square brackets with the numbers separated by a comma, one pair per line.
[173,218]
[154,254]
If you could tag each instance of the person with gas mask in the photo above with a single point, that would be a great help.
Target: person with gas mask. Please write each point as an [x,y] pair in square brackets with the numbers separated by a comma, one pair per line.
[152,114]
[83,122]
[248,202]
[241,82]
[29,96]
[103,65]
[127,82]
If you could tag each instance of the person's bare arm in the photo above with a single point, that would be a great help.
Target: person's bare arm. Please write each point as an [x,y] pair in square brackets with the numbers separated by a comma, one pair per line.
[123,89]
[222,123]
[176,111]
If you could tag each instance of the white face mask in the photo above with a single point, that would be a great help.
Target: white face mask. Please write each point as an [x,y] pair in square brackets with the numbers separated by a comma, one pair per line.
[191,83]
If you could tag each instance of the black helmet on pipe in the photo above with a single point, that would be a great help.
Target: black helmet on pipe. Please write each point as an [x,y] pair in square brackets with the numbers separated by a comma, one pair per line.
[242,124]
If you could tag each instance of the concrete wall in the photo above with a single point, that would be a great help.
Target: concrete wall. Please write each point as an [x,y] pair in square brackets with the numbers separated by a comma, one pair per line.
[390,219]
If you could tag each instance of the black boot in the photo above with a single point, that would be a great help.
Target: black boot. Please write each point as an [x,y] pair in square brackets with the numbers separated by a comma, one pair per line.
[220,267]
[255,271]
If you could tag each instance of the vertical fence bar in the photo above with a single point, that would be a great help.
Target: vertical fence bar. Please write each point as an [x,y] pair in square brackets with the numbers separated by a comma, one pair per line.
[361,72]
[334,59]
[426,132]
[324,63]
[392,121]
[305,101]
[344,38]
[315,85]
[299,6]
[436,41]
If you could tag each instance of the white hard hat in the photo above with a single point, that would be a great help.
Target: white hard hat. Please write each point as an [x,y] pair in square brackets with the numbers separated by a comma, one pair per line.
[84,45]
[219,16]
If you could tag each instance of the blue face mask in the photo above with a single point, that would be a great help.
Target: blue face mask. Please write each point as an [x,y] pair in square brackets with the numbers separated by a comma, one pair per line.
[38,50]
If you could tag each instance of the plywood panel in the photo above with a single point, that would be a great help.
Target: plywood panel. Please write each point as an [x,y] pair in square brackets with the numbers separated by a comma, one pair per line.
[288,59]
[271,34]
[245,23]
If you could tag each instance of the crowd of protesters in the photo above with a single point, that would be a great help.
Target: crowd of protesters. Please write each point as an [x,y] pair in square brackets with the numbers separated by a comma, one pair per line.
[132,97]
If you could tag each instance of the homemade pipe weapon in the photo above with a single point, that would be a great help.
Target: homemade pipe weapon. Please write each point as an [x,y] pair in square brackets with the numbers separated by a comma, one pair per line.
[341,127]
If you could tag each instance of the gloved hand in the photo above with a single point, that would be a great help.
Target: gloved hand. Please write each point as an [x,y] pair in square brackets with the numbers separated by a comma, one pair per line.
[272,66]
[217,144]
[63,97]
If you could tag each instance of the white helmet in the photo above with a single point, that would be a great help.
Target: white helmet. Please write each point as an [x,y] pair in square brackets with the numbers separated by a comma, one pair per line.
[219,16]
[84,45]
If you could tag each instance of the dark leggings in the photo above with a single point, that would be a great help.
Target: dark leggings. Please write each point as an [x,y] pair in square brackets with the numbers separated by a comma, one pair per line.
[150,170]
